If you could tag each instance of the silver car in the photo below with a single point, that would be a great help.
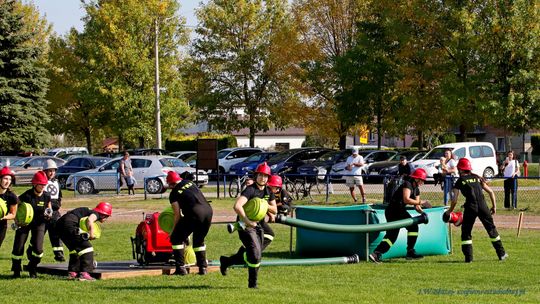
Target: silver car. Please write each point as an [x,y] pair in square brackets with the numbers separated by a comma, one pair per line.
[150,169]
[26,167]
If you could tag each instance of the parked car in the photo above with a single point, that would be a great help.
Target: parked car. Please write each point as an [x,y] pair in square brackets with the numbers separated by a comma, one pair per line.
[481,155]
[26,167]
[154,168]
[148,151]
[231,156]
[78,164]
[183,155]
[323,164]
[8,160]
[250,163]
[192,161]
[390,167]
[291,159]
[60,152]
[370,156]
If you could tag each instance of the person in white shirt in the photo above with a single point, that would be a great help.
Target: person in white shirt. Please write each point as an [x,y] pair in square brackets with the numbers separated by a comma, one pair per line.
[511,170]
[354,166]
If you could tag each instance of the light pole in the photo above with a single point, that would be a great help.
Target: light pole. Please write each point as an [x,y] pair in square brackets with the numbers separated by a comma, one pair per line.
[156,86]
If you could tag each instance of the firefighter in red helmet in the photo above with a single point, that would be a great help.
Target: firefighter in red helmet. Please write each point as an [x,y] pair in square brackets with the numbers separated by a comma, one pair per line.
[8,199]
[471,186]
[53,188]
[283,198]
[40,200]
[253,235]
[407,194]
[81,252]
[192,214]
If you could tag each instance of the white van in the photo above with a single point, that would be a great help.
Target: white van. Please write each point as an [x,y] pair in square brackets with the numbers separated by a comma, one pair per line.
[481,155]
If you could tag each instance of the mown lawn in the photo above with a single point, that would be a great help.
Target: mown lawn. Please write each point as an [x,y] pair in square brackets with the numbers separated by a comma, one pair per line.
[426,281]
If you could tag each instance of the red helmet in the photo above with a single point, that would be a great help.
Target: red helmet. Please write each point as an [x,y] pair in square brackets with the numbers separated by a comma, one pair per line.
[419,174]
[264,169]
[275,181]
[6,171]
[464,164]
[104,208]
[173,177]
[40,178]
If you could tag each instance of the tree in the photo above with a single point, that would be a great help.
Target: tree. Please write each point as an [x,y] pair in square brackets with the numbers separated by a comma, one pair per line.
[23,83]
[119,40]
[242,84]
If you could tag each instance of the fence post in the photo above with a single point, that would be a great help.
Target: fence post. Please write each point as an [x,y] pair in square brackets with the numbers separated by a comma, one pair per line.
[74,186]
[118,183]
[327,182]
[224,185]
[144,187]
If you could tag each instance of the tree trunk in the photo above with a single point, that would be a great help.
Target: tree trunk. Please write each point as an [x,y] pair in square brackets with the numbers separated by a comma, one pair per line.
[88,136]
[252,137]
[420,140]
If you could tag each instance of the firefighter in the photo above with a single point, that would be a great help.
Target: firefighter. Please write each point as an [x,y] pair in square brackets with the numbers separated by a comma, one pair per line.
[8,198]
[283,198]
[407,194]
[40,200]
[252,236]
[471,186]
[53,187]
[81,252]
[192,214]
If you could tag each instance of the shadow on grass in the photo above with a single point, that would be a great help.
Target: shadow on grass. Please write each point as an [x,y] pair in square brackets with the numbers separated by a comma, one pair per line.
[280,255]
[193,287]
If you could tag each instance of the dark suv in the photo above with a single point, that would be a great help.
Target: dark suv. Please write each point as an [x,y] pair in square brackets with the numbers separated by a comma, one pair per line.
[320,167]
[290,160]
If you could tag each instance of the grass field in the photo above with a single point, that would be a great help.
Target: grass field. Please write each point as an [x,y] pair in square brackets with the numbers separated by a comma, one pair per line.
[431,280]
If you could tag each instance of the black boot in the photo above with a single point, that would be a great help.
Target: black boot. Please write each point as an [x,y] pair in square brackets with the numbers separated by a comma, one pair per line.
[59,256]
[16,268]
[412,255]
[252,278]
[179,262]
[201,262]
[467,252]
[224,263]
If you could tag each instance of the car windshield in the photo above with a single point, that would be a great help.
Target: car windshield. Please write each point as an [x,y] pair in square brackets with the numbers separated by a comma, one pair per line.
[436,153]
[329,156]
[100,161]
[255,157]
[20,162]
[221,154]
[282,156]
[408,154]
[191,158]
[172,162]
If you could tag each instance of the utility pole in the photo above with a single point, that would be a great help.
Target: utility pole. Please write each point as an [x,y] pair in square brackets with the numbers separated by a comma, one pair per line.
[156,88]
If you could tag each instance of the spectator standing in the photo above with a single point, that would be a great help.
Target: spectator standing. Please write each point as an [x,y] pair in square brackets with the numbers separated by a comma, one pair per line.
[126,170]
[355,162]
[511,171]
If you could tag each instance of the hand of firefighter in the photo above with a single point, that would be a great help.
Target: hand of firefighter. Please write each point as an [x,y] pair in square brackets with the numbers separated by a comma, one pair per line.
[493,210]
[271,217]
[48,213]
[426,204]
[419,208]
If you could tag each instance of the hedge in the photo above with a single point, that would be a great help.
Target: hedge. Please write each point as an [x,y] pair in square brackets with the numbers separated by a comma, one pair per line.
[189,142]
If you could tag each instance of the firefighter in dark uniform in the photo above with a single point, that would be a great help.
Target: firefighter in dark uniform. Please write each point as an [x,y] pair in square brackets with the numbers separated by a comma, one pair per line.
[407,194]
[252,236]
[192,214]
[81,252]
[8,199]
[40,200]
[283,198]
[53,188]
[471,186]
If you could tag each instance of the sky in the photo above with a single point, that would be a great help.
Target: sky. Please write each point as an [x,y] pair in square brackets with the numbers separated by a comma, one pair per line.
[65,14]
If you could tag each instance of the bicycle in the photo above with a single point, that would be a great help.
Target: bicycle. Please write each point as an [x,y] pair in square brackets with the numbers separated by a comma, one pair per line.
[300,187]
[238,184]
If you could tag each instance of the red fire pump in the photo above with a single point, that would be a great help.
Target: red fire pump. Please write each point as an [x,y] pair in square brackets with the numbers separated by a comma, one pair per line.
[151,244]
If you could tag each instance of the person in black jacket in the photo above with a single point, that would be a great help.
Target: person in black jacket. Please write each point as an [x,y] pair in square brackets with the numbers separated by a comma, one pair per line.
[8,199]
[40,200]
[192,214]
[81,252]
[471,186]
[53,188]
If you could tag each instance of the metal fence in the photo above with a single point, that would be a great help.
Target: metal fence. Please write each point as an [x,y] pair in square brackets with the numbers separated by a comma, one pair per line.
[96,184]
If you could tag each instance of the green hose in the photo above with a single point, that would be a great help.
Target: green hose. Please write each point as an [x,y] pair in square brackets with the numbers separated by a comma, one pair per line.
[353,259]
[420,219]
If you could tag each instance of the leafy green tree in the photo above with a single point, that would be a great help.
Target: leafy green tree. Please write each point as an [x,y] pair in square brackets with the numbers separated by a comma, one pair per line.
[119,41]
[23,83]
[236,56]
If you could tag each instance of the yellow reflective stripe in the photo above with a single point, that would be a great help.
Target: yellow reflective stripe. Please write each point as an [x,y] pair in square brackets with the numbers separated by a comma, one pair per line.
[388,241]
[498,238]
[412,233]
[85,251]
[16,257]
[466,242]
[181,246]
[197,249]
[58,248]
[37,255]
[73,252]
[250,264]
[269,236]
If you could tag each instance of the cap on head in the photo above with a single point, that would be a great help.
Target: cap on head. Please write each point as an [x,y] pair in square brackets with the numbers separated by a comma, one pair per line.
[50,164]
[40,178]
[355,151]
[264,169]
[419,174]
[6,171]
[173,177]
[104,208]
[275,181]
[464,164]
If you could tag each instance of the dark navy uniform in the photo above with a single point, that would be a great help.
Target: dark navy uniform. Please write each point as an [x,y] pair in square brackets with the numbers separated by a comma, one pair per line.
[283,201]
[196,219]
[9,199]
[81,252]
[395,211]
[37,227]
[53,188]
[475,206]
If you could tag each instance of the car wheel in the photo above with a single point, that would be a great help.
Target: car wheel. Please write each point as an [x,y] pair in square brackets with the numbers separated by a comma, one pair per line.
[154,186]
[85,186]
[488,173]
